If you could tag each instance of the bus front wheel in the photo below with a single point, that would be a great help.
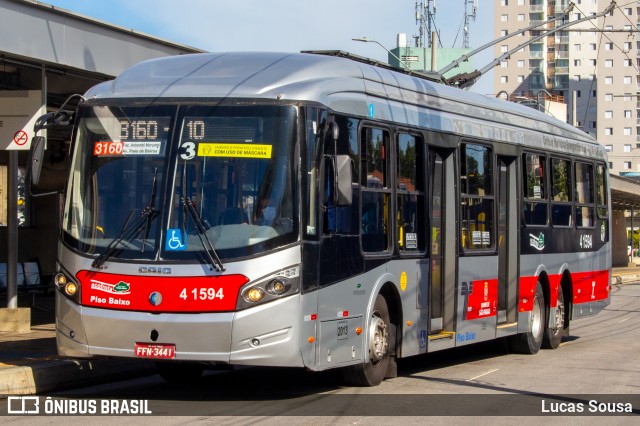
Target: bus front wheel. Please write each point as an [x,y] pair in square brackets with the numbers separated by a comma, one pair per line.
[373,372]
[531,341]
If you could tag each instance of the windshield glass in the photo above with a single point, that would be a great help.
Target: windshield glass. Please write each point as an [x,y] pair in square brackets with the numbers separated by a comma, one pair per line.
[236,165]
[118,167]
[139,174]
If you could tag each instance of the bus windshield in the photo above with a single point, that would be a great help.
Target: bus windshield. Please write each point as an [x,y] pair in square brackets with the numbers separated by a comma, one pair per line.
[177,182]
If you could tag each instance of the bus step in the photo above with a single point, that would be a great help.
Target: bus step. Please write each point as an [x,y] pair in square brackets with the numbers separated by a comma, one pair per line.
[508,325]
[442,335]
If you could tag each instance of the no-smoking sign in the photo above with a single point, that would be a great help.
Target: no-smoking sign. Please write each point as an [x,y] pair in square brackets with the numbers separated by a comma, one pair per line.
[20,137]
[18,114]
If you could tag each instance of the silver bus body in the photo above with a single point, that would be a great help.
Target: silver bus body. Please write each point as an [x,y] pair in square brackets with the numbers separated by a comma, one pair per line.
[329,326]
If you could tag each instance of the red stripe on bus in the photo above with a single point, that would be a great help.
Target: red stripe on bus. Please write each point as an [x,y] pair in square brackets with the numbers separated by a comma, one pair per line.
[160,294]
[590,286]
[587,287]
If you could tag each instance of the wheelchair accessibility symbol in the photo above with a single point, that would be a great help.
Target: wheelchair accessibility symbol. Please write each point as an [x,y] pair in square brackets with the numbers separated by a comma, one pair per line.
[174,241]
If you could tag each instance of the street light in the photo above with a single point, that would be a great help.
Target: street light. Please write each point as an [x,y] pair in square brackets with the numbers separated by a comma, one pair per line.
[366,40]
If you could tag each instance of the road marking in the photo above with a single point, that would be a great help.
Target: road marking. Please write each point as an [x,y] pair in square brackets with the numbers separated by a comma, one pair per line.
[483,374]
[626,319]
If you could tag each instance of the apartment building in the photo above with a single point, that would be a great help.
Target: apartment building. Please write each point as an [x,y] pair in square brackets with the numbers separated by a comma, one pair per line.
[592,66]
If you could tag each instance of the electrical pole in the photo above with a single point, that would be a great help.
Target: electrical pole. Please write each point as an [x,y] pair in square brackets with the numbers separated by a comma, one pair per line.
[470,9]
[425,16]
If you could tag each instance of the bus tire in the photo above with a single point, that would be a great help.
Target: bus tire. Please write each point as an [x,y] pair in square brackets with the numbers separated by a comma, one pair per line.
[530,342]
[176,372]
[378,341]
[555,328]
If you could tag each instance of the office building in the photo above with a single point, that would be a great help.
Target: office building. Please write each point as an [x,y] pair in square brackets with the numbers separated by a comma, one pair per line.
[592,66]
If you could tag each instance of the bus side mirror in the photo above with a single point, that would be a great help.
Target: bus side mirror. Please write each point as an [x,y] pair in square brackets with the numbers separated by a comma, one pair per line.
[37,153]
[342,179]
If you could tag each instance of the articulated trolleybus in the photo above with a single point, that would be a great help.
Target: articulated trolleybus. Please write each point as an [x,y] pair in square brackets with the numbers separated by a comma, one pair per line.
[316,210]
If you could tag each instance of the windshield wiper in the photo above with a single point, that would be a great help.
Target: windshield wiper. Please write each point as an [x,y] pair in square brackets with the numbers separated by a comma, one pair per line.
[202,234]
[128,231]
[131,230]
[150,209]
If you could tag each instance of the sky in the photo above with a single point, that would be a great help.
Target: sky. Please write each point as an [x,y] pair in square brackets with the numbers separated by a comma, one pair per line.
[292,25]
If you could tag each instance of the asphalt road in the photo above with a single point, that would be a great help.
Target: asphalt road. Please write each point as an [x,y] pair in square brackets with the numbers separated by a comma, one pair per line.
[595,372]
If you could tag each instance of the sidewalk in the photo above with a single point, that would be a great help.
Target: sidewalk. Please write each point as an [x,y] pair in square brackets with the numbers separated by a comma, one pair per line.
[29,363]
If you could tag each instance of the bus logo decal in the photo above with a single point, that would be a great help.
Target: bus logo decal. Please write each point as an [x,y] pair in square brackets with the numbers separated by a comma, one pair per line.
[537,242]
[119,288]
[155,298]
[122,288]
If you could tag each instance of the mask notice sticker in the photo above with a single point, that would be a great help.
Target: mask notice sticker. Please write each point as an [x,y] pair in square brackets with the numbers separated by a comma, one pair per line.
[240,150]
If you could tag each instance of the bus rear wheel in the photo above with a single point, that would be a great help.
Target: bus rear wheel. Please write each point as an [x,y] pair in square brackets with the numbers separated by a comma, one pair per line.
[176,372]
[531,341]
[555,330]
[378,345]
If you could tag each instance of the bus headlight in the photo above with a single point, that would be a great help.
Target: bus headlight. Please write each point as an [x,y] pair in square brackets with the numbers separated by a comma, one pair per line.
[61,280]
[67,286]
[253,294]
[281,284]
[71,289]
[278,286]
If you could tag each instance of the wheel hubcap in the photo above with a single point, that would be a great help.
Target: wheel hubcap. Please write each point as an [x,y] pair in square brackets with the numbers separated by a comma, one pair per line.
[559,319]
[536,318]
[378,339]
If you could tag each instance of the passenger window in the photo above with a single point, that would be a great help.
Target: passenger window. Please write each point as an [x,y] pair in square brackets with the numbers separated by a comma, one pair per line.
[561,204]
[376,192]
[601,191]
[342,219]
[410,192]
[535,189]
[477,199]
[584,195]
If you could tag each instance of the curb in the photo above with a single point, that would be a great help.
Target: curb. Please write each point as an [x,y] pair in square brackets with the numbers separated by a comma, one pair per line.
[63,374]
[624,279]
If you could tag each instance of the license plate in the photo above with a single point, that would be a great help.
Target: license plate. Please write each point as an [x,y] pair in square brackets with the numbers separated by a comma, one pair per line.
[155,350]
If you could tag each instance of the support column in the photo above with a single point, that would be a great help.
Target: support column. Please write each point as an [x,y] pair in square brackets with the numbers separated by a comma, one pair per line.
[632,247]
[12,231]
[13,319]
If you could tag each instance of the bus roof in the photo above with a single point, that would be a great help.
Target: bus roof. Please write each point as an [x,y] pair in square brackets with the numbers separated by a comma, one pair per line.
[344,85]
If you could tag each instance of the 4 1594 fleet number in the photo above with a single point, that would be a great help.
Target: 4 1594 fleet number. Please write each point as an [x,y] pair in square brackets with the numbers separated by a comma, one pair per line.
[209,293]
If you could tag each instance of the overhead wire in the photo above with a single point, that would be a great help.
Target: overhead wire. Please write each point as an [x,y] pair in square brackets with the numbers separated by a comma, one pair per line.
[602,36]
[593,80]
[603,33]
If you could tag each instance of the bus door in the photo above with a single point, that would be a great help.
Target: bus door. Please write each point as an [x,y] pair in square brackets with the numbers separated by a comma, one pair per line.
[436,255]
[477,291]
[507,238]
[441,250]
